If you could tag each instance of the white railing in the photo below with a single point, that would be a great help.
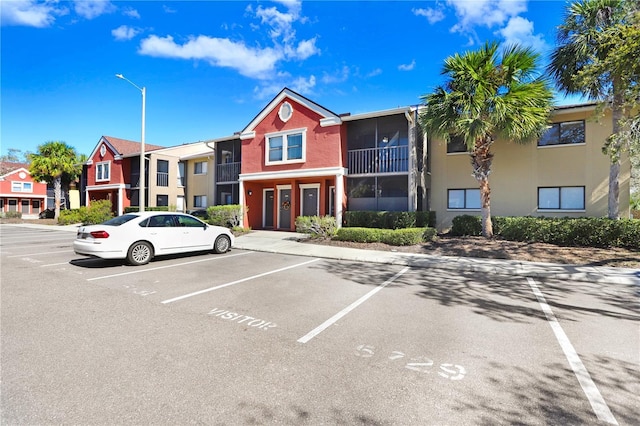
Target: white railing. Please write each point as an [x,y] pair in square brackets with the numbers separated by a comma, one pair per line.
[378,160]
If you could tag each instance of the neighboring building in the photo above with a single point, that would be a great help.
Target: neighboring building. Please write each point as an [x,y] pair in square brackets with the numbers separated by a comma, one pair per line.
[19,192]
[113,173]
[299,158]
[564,174]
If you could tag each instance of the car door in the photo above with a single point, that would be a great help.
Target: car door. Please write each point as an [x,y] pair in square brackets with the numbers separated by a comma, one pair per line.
[196,235]
[163,233]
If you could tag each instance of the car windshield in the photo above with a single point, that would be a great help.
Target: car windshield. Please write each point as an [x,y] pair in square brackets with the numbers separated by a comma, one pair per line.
[117,221]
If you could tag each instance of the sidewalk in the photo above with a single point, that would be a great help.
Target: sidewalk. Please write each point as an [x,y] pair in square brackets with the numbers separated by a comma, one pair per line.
[290,243]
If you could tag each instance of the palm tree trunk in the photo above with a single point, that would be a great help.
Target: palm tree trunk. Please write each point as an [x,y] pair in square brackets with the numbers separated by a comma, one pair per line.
[614,168]
[481,159]
[57,195]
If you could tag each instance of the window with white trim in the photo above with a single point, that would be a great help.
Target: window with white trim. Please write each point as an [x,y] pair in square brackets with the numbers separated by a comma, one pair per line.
[561,198]
[463,199]
[18,186]
[565,133]
[286,147]
[103,171]
[200,168]
[199,201]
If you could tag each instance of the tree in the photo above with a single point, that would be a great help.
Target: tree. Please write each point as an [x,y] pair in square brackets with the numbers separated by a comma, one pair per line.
[15,155]
[597,57]
[50,163]
[487,98]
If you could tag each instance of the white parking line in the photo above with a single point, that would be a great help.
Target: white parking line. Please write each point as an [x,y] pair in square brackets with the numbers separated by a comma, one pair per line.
[139,271]
[596,400]
[196,293]
[313,333]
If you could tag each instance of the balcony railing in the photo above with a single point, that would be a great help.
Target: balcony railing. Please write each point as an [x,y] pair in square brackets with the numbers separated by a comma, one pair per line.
[162,179]
[228,172]
[393,159]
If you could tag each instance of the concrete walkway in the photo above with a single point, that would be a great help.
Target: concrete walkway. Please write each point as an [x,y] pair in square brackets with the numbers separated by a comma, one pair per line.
[292,243]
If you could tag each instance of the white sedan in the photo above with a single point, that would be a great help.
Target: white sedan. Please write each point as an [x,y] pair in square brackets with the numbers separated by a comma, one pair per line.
[138,237]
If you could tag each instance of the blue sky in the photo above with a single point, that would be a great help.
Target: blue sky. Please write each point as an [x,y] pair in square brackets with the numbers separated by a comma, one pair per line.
[209,67]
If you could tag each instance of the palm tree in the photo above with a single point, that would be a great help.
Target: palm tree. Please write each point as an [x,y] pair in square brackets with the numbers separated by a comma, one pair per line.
[487,98]
[53,160]
[582,46]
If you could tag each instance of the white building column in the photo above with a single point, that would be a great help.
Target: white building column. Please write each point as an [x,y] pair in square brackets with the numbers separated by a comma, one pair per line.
[241,200]
[120,203]
[339,198]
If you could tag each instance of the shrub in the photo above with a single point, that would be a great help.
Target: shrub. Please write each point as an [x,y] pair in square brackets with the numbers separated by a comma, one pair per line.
[13,215]
[389,220]
[97,212]
[316,226]
[395,237]
[571,232]
[228,215]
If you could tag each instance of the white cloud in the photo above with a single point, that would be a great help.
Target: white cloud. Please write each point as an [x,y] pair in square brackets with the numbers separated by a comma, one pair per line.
[259,62]
[487,13]
[90,9]
[432,15]
[250,62]
[124,32]
[407,67]
[29,13]
[375,72]
[168,9]
[131,13]
[303,85]
[339,76]
[520,30]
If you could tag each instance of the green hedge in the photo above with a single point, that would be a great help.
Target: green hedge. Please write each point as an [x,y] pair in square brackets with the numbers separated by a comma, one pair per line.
[98,212]
[572,232]
[389,220]
[12,215]
[395,237]
[228,215]
[316,226]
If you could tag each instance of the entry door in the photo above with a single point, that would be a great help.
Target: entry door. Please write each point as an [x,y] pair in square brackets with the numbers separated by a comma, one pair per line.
[25,204]
[180,203]
[268,208]
[310,202]
[284,209]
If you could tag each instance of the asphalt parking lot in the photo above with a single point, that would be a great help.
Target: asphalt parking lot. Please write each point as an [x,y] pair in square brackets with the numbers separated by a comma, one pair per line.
[263,338]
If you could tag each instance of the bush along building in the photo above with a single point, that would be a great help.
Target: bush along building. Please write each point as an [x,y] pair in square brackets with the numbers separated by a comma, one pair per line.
[298,158]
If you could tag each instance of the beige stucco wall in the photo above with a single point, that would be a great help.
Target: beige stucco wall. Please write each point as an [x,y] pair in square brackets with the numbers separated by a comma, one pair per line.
[519,170]
[173,155]
[201,184]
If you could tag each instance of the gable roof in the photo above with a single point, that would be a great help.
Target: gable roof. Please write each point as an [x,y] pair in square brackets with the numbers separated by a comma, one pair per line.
[123,147]
[328,118]
[21,168]
[6,167]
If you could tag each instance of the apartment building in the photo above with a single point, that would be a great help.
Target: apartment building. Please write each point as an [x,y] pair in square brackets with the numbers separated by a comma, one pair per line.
[296,157]
[19,192]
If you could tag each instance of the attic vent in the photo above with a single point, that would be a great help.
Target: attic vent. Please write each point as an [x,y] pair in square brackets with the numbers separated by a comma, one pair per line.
[286,111]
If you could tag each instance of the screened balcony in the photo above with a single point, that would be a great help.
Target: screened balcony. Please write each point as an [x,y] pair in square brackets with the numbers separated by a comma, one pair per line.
[390,159]
[227,172]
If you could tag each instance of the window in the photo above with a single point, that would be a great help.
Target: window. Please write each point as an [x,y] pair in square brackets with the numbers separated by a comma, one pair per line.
[456,144]
[286,147]
[463,199]
[180,173]
[200,201]
[162,174]
[566,133]
[200,168]
[18,186]
[162,200]
[561,198]
[102,171]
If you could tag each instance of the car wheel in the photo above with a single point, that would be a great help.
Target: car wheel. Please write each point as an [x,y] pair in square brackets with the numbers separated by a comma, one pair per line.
[140,253]
[222,244]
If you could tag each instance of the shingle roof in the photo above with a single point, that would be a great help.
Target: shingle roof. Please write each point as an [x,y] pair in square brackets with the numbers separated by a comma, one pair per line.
[7,167]
[125,147]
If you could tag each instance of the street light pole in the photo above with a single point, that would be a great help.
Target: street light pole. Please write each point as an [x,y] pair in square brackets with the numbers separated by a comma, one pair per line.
[143,90]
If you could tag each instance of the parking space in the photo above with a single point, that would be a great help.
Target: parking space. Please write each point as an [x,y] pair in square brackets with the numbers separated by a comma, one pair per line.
[337,340]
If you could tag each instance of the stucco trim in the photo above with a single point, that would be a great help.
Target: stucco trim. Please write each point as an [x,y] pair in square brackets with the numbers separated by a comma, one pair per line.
[289,174]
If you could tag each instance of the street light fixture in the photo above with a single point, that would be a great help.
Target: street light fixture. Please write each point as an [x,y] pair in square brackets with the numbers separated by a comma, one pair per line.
[141,195]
